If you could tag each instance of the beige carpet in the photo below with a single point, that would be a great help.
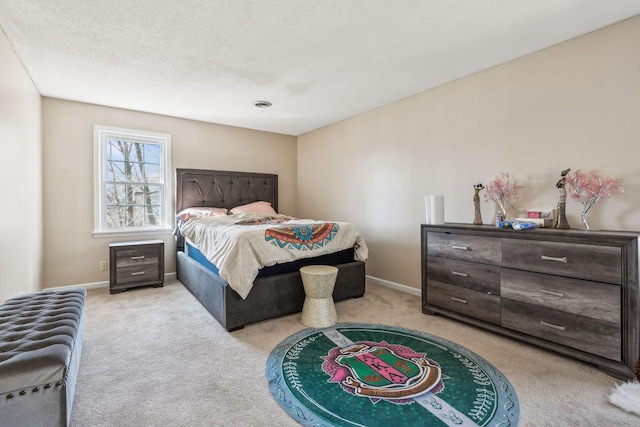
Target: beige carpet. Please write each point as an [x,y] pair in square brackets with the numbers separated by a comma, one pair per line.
[155,357]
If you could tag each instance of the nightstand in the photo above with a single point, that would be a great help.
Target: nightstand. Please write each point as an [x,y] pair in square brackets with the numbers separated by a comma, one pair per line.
[136,263]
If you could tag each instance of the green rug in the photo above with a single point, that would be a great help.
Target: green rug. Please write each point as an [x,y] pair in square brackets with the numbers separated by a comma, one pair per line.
[355,374]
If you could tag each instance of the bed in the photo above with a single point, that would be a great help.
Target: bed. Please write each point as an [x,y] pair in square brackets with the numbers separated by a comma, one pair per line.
[277,290]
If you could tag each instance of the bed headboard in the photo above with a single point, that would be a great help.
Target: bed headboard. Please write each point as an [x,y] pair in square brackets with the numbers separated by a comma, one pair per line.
[223,189]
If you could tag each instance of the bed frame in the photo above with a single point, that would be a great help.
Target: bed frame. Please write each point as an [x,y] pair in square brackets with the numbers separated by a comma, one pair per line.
[271,296]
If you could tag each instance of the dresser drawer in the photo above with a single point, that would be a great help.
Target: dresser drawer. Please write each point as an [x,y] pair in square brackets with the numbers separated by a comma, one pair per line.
[485,250]
[591,262]
[583,333]
[590,299]
[479,277]
[464,301]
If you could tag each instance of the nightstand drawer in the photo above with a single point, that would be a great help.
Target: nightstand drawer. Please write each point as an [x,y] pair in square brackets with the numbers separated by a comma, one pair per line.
[137,274]
[136,264]
[137,256]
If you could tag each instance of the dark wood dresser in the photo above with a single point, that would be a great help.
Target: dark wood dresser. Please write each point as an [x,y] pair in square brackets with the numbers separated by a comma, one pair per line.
[571,291]
[135,264]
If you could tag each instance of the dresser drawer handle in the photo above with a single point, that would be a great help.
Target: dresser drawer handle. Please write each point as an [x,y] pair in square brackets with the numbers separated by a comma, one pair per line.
[552,326]
[463,248]
[552,258]
[138,257]
[460,300]
[457,273]
[554,293]
[137,273]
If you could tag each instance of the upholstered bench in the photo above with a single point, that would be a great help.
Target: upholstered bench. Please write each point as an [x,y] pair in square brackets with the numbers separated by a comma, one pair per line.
[40,345]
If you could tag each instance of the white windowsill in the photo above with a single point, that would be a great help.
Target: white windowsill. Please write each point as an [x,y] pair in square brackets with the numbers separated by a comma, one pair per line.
[132,233]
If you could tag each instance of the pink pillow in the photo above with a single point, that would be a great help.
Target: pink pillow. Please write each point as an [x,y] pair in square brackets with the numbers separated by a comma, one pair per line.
[190,213]
[254,207]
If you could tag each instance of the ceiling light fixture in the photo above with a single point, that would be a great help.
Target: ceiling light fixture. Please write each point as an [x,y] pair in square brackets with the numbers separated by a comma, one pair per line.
[262,104]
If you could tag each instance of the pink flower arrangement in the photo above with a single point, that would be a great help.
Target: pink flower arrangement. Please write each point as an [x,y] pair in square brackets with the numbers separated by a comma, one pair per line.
[588,187]
[503,190]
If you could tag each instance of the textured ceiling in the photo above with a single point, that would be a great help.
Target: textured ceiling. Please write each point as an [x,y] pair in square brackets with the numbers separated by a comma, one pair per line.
[317,61]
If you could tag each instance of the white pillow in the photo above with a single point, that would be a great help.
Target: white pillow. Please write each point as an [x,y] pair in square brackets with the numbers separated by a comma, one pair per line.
[254,207]
[190,213]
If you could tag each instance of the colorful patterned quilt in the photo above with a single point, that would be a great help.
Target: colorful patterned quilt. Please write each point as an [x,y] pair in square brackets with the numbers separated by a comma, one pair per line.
[241,244]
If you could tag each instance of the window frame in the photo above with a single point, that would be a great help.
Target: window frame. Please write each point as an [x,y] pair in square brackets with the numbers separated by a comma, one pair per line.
[101,134]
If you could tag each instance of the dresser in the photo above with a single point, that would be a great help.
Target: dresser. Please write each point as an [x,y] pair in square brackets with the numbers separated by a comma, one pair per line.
[135,264]
[571,291]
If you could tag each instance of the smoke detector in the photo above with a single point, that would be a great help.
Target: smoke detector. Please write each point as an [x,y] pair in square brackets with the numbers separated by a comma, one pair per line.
[262,104]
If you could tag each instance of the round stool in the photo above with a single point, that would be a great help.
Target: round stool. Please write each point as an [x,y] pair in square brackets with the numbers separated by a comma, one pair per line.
[318,310]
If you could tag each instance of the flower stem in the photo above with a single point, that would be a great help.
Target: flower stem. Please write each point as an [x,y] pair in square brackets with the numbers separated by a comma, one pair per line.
[583,217]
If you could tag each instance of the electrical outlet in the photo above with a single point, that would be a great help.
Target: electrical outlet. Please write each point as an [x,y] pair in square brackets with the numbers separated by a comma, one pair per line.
[103,266]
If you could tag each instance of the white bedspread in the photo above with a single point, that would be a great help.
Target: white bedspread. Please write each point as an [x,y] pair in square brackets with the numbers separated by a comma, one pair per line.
[241,244]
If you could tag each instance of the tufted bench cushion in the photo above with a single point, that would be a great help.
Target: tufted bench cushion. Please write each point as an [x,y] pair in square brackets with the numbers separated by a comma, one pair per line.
[40,345]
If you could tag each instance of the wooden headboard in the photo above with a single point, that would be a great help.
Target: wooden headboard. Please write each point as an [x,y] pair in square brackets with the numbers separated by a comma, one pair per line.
[223,189]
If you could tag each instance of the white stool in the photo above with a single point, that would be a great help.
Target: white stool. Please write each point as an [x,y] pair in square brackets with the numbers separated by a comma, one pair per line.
[318,310]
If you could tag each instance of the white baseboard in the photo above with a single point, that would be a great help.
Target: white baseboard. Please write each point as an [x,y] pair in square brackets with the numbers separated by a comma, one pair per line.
[96,285]
[171,276]
[396,286]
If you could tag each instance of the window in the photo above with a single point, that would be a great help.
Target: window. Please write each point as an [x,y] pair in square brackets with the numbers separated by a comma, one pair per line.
[131,181]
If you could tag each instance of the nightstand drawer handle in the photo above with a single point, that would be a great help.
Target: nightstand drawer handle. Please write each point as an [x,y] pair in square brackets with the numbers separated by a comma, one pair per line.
[554,293]
[137,273]
[552,258]
[138,257]
[457,273]
[552,326]
[460,300]
[464,248]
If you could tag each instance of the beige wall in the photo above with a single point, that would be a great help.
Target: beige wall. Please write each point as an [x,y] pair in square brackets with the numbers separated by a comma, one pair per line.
[71,253]
[574,105]
[20,177]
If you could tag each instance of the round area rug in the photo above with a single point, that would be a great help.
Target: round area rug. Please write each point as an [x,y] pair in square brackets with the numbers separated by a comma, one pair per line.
[355,374]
